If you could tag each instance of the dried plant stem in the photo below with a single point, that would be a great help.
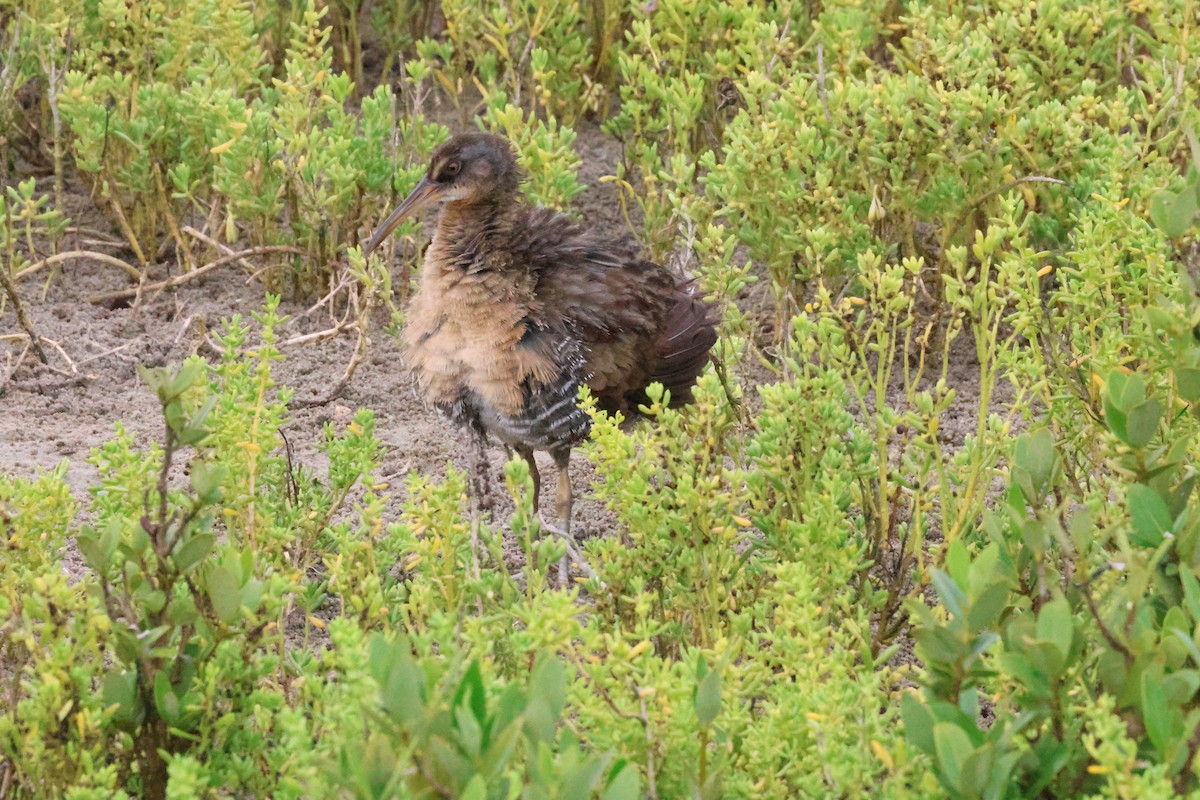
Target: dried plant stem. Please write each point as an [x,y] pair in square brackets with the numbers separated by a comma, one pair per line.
[356,359]
[171,222]
[361,310]
[22,337]
[821,90]
[344,282]
[106,353]
[71,255]
[179,280]
[573,551]
[10,289]
[126,229]
[10,369]
[55,72]
[214,244]
[319,336]
[100,238]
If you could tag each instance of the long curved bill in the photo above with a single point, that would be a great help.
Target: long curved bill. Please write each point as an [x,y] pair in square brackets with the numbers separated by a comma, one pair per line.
[422,195]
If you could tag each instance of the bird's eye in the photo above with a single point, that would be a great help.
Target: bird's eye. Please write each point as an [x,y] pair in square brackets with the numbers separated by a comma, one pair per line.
[451,169]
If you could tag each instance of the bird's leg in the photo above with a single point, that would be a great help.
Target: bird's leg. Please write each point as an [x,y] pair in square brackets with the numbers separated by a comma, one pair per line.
[481,478]
[481,491]
[564,501]
[565,497]
[527,454]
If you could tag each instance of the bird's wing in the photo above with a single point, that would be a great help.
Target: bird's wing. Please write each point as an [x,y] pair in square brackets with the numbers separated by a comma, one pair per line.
[636,321]
[601,287]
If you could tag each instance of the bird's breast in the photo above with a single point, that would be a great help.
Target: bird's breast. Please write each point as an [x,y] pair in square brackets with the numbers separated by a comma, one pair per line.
[463,343]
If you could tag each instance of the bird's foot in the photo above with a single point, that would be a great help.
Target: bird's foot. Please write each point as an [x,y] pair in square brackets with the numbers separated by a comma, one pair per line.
[573,556]
[483,494]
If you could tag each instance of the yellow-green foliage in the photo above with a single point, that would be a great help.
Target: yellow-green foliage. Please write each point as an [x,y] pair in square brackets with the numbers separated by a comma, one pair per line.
[970,208]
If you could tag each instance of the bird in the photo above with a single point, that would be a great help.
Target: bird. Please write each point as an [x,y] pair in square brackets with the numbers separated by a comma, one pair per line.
[518,306]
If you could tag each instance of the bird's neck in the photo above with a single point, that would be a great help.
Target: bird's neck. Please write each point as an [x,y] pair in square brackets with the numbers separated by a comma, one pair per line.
[470,236]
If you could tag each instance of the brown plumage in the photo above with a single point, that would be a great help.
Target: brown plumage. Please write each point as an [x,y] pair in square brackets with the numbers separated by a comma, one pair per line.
[520,305]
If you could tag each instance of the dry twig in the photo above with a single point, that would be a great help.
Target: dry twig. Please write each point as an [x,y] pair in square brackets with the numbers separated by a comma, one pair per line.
[71,255]
[187,277]
[10,289]
[319,336]
[214,244]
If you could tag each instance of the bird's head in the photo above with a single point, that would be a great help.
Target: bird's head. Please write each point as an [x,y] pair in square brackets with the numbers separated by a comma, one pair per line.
[470,168]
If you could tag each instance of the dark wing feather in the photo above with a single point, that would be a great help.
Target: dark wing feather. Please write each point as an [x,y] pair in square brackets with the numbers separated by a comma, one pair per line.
[681,350]
[602,287]
[635,322]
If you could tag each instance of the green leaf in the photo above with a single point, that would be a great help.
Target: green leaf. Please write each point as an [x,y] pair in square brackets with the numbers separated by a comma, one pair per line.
[191,552]
[1122,393]
[1194,144]
[470,731]
[93,554]
[1142,423]
[382,654]
[918,722]
[206,480]
[120,689]
[549,682]
[1130,392]
[198,420]
[379,763]
[953,748]
[402,693]
[1187,383]
[1151,517]
[182,609]
[948,590]
[1180,687]
[1191,595]
[1177,500]
[153,377]
[1116,421]
[940,645]
[100,545]
[251,595]
[500,747]
[475,790]
[224,593]
[988,607]
[153,600]
[1155,712]
[1035,536]
[1189,644]
[448,760]
[471,690]
[1047,657]
[581,784]
[958,562]
[165,699]
[1054,625]
[1034,455]
[708,698]
[1174,213]
[973,777]
[624,783]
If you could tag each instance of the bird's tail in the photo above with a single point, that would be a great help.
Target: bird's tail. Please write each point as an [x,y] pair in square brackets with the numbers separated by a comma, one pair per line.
[681,351]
